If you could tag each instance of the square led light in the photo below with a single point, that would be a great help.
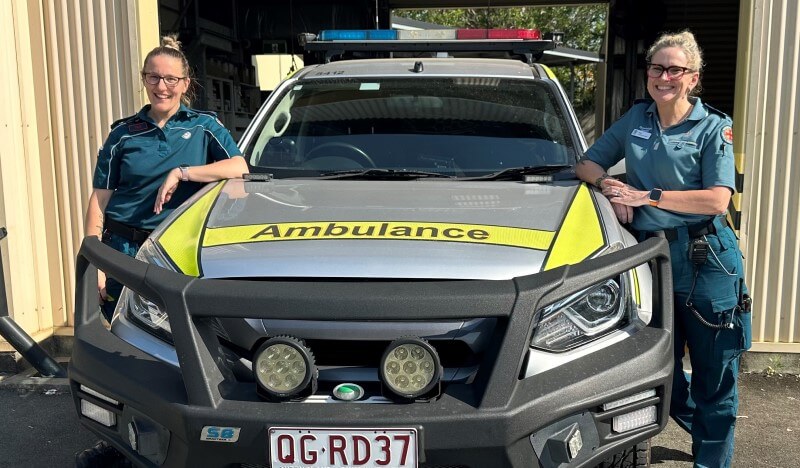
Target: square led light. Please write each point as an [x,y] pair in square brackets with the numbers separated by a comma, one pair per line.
[96,413]
[575,444]
[634,420]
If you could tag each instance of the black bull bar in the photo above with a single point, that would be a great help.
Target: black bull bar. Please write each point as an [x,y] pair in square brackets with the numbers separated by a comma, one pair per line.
[191,300]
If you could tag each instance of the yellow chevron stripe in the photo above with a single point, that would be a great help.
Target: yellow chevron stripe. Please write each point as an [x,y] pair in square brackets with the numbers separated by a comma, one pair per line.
[182,239]
[580,235]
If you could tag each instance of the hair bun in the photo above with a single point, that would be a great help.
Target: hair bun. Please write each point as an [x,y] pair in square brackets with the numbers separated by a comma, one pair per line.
[171,41]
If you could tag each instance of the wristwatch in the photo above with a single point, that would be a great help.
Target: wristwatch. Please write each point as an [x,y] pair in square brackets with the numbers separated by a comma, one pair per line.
[599,182]
[184,168]
[655,196]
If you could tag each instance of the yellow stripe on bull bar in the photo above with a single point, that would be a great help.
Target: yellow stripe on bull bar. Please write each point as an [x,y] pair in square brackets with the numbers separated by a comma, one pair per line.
[182,239]
[388,230]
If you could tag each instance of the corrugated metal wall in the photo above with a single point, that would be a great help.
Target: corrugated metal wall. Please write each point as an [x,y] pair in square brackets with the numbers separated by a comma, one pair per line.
[70,68]
[768,146]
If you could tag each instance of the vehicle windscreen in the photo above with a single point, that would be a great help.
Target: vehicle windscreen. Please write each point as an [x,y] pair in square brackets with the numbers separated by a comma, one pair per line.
[453,126]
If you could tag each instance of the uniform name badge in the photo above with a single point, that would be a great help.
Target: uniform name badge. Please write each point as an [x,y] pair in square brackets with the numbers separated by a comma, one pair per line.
[638,132]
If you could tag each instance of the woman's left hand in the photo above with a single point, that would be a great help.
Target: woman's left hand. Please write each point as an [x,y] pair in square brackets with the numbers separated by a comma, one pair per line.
[167,189]
[627,195]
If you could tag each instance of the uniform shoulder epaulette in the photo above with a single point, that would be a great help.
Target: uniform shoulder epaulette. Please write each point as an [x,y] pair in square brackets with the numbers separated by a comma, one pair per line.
[206,112]
[123,120]
[211,114]
[716,111]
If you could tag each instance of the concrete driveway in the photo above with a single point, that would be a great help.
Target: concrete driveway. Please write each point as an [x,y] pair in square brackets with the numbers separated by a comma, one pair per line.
[40,428]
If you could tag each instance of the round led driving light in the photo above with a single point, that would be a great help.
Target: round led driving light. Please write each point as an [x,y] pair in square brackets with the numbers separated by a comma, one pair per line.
[410,368]
[284,369]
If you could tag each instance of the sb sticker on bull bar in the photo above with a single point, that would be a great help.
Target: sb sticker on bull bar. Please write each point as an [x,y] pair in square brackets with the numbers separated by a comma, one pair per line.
[220,434]
[380,230]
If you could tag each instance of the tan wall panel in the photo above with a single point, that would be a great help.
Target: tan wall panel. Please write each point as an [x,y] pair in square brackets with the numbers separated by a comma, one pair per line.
[770,53]
[72,69]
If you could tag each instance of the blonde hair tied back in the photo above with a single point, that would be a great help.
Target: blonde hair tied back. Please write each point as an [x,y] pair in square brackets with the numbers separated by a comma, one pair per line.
[685,41]
[171,41]
[171,47]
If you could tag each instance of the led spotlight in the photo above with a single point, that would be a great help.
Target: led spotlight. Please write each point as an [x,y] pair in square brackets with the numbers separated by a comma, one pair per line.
[284,369]
[410,369]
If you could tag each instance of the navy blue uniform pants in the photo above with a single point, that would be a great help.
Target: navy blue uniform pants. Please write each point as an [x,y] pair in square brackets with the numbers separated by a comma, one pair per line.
[705,403]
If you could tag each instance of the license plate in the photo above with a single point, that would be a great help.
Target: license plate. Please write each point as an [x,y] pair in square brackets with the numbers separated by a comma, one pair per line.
[292,447]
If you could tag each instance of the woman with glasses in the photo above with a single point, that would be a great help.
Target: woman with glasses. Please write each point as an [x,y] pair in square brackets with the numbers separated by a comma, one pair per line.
[153,161]
[680,177]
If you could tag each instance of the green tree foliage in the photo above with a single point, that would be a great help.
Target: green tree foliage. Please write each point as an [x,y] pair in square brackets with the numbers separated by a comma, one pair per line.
[583,28]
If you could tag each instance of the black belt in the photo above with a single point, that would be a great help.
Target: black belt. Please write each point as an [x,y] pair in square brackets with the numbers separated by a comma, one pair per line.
[132,234]
[696,230]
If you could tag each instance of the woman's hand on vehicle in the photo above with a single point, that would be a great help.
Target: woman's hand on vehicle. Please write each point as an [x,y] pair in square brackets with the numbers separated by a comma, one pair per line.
[624,213]
[167,189]
[623,194]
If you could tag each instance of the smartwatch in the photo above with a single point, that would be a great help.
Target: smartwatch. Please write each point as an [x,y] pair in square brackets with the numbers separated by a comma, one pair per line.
[655,196]
[184,168]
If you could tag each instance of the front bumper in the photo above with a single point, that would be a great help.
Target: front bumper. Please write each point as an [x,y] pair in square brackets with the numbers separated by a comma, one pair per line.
[499,419]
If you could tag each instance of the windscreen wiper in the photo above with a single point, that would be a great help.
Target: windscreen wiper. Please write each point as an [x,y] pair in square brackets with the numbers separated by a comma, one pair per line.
[519,173]
[381,174]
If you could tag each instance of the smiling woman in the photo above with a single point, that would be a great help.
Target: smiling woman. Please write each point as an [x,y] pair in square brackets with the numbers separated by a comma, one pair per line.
[153,161]
[679,162]
[150,163]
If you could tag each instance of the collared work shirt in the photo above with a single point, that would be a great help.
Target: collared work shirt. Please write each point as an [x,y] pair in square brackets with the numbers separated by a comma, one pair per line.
[137,156]
[694,155]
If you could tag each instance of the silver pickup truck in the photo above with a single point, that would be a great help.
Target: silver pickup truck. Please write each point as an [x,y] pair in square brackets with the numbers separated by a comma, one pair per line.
[411,276]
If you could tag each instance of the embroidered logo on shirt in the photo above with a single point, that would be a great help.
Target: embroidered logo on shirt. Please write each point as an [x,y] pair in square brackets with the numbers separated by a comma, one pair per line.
[727,134]
[135,127]
[186,135]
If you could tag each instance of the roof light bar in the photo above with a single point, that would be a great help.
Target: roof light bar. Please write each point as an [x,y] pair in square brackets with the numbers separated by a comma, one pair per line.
[429,34]
[519,43]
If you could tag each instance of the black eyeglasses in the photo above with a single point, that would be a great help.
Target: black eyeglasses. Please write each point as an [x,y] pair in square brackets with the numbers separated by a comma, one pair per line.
[153,79]
[655,70]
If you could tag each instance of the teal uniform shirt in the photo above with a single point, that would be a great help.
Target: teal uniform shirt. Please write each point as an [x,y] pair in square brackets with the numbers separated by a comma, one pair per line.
[137,156]
[696,154]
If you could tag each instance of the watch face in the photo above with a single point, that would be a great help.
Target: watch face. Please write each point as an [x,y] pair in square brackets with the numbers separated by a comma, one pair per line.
[655,195]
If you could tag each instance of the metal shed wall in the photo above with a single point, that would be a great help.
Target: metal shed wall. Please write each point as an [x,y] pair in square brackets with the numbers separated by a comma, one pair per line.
[70,68]
[767,148]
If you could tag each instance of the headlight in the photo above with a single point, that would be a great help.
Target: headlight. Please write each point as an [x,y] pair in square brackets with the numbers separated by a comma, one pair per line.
[140,310]
[584,316]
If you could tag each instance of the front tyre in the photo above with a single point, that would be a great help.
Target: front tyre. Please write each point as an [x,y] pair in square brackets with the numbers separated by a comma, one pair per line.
[636,456]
